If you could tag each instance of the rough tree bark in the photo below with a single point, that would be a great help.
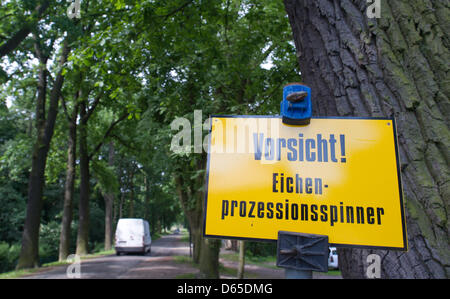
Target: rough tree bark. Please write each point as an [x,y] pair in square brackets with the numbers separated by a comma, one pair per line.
[209,258]
[45,123]
[394,66]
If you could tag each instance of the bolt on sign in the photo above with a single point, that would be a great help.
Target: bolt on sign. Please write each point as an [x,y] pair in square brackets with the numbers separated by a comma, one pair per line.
[336,176]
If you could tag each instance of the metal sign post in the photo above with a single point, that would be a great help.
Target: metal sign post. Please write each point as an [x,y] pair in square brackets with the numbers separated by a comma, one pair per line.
[300,254]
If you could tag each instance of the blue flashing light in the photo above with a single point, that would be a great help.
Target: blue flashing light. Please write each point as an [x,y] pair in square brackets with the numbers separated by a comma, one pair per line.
[296,107]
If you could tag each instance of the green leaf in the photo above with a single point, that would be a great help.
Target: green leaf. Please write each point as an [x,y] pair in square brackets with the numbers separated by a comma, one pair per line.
[119,4]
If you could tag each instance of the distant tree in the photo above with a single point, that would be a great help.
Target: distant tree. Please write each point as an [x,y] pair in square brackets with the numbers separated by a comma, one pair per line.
[393,66]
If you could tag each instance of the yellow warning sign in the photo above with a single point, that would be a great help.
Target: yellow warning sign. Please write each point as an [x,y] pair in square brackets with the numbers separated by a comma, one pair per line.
[336,176]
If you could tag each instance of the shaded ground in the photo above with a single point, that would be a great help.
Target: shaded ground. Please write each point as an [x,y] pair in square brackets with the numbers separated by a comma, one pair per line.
[160,263]
[269,271]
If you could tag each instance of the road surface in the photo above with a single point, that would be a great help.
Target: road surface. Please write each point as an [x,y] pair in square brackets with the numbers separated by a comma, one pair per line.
[159,264]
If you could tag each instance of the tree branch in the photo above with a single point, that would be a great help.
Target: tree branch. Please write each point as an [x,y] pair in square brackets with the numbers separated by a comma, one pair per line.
[23,32]
[177,9]
[124,143]
[111,127]
[73,117]
[63,100]
[92,108]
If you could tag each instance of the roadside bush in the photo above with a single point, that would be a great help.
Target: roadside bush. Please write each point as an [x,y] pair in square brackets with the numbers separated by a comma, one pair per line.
[49,242]
[9,254]
[257,249]
[97,247]
[97,220]
[48,247]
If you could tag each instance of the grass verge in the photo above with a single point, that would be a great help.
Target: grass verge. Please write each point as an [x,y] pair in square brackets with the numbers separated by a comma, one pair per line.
[225,272]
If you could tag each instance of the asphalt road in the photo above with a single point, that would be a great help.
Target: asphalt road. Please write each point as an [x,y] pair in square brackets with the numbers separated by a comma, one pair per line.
[158,264]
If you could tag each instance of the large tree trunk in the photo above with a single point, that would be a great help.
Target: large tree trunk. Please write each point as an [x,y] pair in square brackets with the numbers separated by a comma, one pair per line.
[209,258]
[29,254]
[64,240]
[83,207]
[394,66]
[241,267]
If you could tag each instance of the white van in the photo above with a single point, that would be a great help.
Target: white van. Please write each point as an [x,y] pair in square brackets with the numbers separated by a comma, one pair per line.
[333,258]
[132,235]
